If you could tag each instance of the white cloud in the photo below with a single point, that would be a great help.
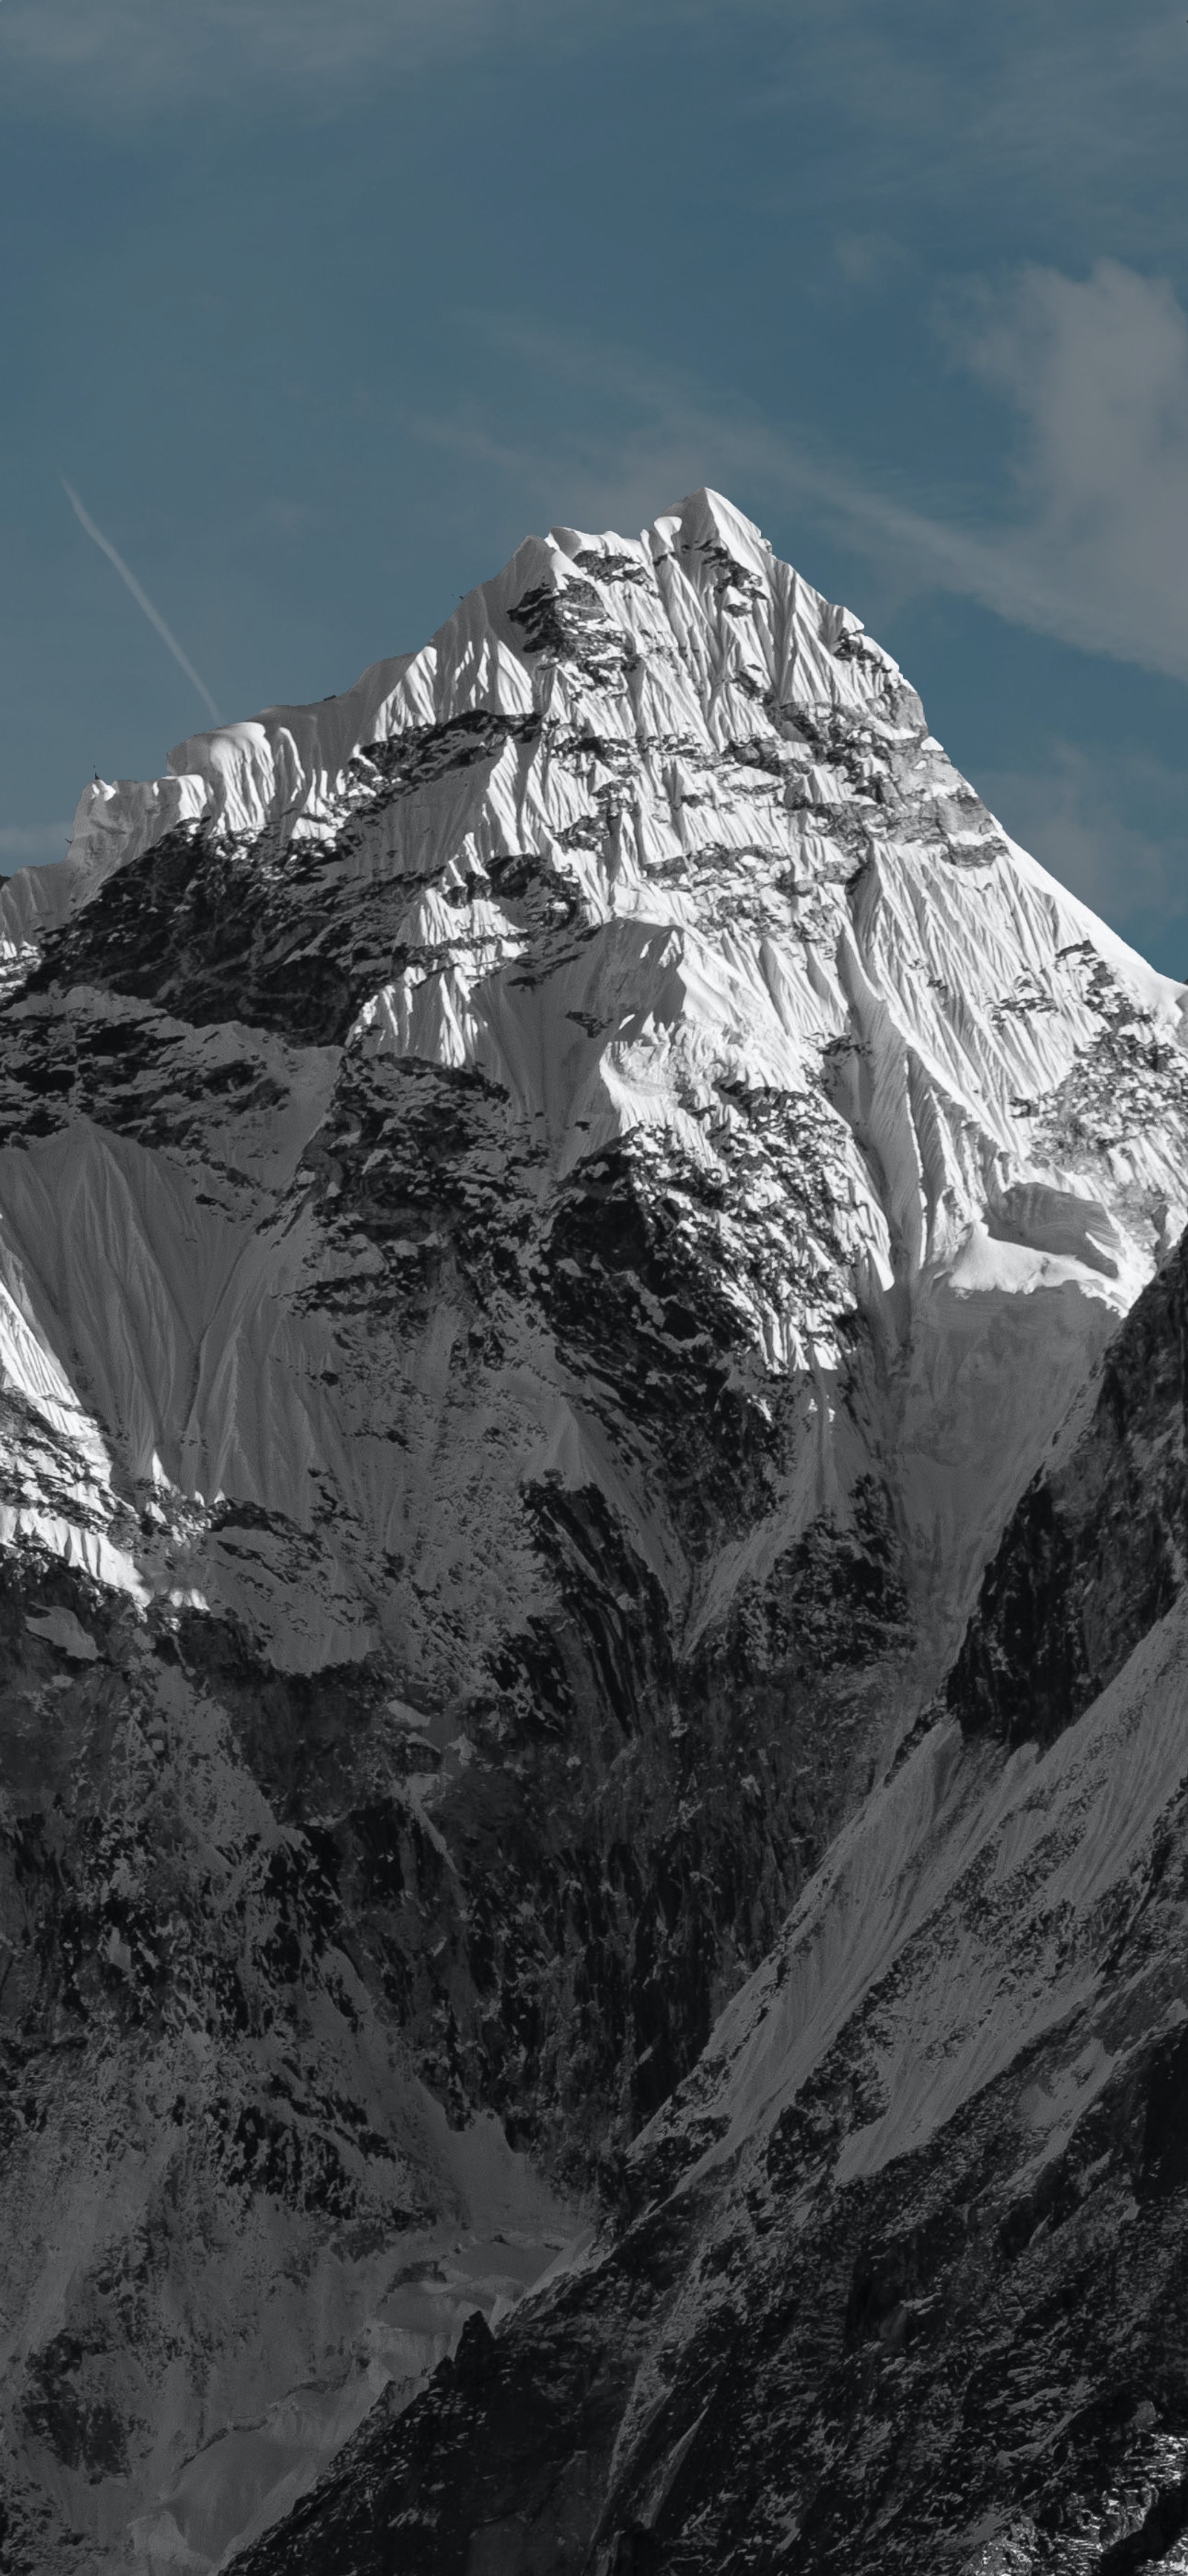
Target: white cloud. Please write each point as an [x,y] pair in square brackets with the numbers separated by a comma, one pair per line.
[1098,551]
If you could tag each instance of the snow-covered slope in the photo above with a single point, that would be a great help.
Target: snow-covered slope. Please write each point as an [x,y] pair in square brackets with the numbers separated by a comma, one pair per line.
[550,1207]
[652,845]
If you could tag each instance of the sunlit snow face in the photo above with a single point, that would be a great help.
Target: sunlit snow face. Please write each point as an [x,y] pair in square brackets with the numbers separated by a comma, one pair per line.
[652,845]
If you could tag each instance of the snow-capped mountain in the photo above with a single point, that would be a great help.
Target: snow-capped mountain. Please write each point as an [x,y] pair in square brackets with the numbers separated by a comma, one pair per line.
[551,1207]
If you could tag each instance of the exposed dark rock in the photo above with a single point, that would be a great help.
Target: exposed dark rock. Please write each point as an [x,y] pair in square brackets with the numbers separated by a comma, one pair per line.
[1098,1548]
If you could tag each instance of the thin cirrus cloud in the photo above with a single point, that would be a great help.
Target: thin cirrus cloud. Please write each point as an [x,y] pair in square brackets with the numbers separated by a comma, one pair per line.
[128,56]
[1013,89]
[1043,97]
[1086,538]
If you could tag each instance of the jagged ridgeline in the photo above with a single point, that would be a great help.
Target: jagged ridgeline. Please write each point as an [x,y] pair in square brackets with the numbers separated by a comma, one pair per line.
[551,1208]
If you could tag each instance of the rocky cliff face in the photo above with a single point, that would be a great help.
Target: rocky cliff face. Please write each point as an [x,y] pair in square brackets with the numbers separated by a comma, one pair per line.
[551,1208]
[902,2284]
[1096,1552]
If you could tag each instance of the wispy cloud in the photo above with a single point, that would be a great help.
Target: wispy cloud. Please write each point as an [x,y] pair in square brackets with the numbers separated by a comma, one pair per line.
[1043,104]
[1011,87]
[1097,371]
[132,57]
[141,598]
[1085,536]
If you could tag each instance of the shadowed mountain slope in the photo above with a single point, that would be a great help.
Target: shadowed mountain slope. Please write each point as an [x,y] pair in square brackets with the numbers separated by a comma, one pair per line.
[904,2283]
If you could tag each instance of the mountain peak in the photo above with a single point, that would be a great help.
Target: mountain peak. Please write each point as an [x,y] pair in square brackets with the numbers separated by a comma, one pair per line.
[552,1205]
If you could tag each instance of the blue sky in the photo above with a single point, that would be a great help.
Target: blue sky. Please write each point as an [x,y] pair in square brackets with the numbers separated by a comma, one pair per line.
[321,305]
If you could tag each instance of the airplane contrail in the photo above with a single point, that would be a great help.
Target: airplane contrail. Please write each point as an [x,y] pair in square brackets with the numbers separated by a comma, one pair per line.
[140,596]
